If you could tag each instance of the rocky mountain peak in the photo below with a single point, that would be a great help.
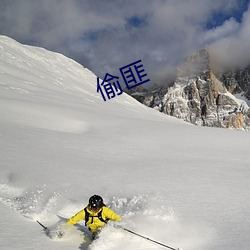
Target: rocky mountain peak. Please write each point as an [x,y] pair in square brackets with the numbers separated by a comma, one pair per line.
[196,64]
[200,96]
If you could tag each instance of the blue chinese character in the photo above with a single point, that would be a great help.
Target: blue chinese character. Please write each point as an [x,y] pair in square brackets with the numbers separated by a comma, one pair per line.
[110,93]
[130,72]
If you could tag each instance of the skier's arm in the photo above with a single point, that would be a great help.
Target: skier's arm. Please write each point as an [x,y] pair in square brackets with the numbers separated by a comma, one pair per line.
[110,214]
[77,217]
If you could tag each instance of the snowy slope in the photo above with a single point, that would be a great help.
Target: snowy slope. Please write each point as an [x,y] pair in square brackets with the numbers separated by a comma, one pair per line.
[179,184]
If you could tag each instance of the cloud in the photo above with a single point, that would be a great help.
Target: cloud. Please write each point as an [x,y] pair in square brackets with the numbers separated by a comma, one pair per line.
[228,28]
[233,49]
[106,35]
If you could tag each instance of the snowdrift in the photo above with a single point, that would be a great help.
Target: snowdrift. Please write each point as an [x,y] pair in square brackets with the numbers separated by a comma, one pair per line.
[182,185]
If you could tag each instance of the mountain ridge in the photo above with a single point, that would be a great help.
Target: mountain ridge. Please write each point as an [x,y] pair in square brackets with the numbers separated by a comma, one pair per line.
[203,96]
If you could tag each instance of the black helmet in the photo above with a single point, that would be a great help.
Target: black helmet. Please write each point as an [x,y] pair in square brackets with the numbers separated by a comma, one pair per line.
[95,202]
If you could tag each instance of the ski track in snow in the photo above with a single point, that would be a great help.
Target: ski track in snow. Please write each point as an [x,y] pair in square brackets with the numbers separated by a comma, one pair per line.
[43,117]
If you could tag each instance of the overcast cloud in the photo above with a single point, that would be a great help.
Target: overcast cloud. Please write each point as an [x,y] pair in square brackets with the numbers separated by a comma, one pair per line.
[105,35]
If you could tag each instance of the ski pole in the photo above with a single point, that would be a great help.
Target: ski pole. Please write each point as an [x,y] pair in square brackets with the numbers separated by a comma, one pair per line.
[45,228]
[146,238]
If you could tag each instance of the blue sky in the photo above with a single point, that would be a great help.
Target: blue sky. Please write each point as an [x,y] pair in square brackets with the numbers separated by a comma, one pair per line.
[105,35]
[218,17]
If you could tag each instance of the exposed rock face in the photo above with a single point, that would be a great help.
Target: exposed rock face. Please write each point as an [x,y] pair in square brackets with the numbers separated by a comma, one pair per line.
[199,97]
[237,81]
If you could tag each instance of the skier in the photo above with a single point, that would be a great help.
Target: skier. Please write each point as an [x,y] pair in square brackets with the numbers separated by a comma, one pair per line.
[95,214]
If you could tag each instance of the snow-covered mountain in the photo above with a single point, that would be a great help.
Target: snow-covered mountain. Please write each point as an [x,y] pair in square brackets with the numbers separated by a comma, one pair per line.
[203,97]
[182,185]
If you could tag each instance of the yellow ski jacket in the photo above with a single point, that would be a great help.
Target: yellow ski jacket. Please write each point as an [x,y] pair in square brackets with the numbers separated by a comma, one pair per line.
[94,223]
